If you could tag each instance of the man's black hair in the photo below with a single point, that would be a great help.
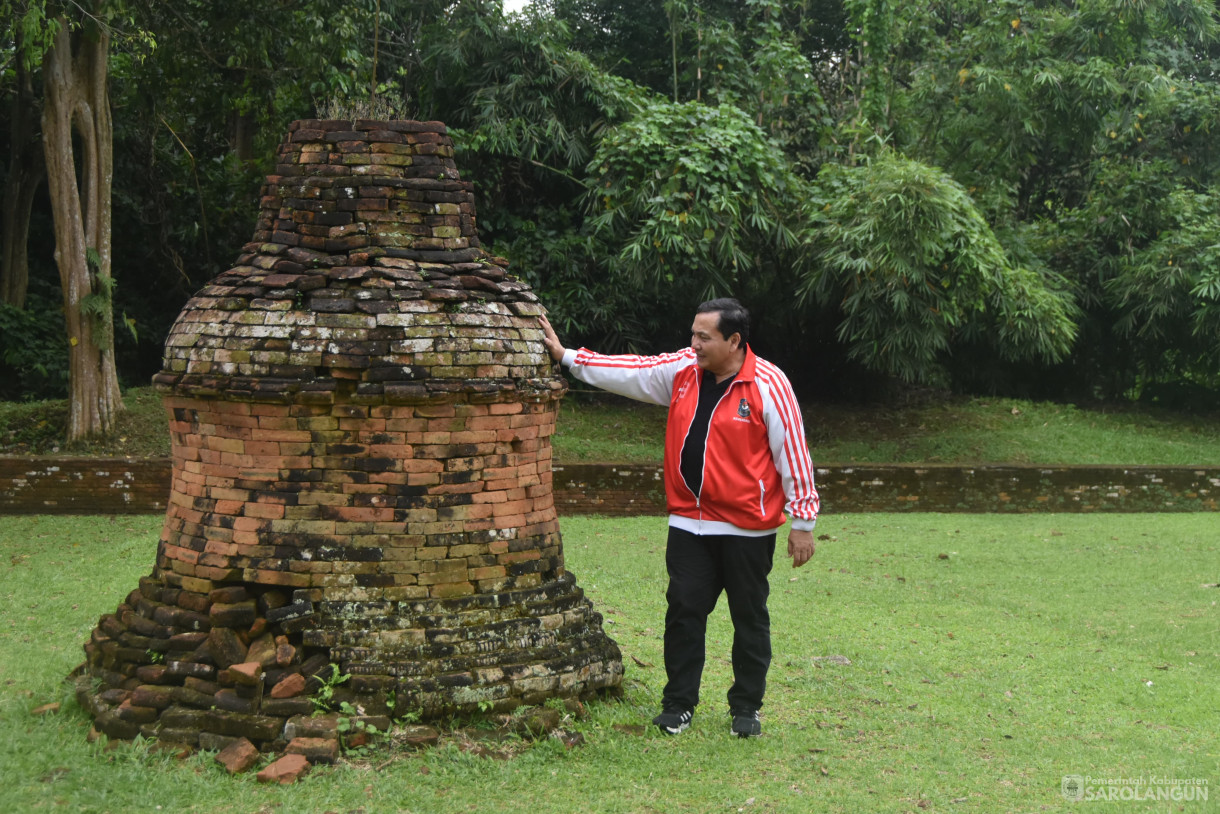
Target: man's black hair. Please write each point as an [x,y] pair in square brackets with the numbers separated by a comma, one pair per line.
[734,318]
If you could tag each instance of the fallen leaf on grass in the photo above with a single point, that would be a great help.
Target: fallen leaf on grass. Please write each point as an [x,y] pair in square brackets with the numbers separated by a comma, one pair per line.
[639,663]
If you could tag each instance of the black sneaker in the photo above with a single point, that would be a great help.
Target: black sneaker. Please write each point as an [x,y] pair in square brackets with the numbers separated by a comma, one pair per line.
[673,722]
[746,723]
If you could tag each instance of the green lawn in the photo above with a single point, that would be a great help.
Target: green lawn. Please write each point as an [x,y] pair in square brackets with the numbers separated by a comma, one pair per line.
[989,658]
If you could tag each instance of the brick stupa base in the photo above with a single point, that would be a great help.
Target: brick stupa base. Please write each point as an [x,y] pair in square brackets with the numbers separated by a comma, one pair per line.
[361,508]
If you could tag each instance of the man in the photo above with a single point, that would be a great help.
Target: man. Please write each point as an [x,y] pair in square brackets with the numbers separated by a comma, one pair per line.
[735,462]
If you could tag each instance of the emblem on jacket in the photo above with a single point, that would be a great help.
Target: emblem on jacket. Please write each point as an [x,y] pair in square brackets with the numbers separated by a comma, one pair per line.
[743,408]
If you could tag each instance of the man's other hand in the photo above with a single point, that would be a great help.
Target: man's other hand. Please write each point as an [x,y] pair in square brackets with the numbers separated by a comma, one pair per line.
[800,547]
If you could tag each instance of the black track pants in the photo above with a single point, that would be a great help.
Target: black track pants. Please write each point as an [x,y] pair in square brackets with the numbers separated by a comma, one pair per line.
[700,567]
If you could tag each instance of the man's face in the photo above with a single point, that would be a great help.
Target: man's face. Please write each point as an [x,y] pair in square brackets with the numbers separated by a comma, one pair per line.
[712,350]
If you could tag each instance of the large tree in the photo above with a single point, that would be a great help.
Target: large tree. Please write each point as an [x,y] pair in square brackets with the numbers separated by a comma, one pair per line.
[69,46]
[77,113]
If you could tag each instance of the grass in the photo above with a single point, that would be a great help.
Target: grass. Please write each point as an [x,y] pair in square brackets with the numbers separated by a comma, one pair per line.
[982,430]
[598,429]
[931,430]
[989,657]
[40,428]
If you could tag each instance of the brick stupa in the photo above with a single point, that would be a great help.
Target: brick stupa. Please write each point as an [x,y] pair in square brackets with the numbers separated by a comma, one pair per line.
[361,411]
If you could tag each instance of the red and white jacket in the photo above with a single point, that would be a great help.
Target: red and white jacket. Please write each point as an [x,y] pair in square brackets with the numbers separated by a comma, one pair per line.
[756,464]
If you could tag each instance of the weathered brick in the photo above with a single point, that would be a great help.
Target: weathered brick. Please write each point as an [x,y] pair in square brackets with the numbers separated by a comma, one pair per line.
[239,756]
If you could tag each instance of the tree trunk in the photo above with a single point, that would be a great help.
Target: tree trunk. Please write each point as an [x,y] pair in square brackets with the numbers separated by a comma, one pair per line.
[242,127]
[77,101]
[25,172]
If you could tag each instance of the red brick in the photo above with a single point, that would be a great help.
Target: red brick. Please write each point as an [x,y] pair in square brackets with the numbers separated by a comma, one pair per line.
[288,769]
[316,750]
[435,410]
[289,686]
[239,756]
[219,548]
[364,514]
[513,507]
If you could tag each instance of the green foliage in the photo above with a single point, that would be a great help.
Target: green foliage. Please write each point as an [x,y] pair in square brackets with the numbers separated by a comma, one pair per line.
[33,348]
[351,722]
[692,193]
[532,99]
[324,697]
[873,28]
[566,267]
[1080,136]
[1078,130]
[98,304]
[914,265]
[1167,291]
[31,28]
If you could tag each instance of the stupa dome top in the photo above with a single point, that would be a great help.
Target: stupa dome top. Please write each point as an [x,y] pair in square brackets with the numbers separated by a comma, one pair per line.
[365,279]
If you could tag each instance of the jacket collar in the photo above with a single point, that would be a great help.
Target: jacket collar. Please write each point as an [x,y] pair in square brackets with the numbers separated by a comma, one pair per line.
[746,374]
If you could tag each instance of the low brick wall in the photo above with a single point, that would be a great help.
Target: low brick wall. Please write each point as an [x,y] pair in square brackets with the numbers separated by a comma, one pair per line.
[626,490]
[141,486]
[83,485]
[945,488]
